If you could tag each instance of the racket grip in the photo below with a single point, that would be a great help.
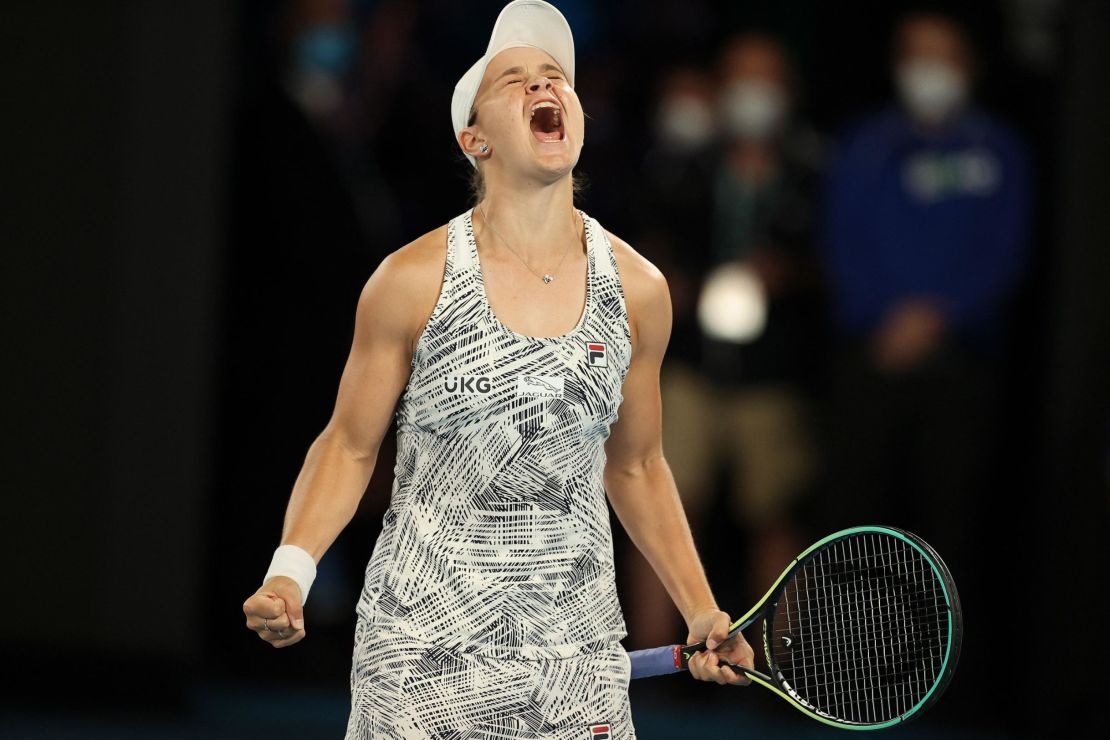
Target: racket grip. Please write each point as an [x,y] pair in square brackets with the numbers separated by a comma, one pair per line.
[656,661]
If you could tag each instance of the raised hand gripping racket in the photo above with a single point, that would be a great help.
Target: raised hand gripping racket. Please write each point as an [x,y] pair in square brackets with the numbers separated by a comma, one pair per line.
[861,631]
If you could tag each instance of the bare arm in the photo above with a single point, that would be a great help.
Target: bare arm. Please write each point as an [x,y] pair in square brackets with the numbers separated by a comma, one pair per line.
[637,477]
[639,481]
[339,463]
[392,310]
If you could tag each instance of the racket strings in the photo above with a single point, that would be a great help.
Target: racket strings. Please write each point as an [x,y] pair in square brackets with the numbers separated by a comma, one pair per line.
[860,631]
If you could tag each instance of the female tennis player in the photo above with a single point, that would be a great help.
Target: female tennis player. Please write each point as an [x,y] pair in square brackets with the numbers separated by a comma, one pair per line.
[506,342]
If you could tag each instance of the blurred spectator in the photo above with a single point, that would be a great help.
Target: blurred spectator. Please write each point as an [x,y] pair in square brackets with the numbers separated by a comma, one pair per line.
[675,213]
[323,53]
[730,191]
[341,59]
[925,234]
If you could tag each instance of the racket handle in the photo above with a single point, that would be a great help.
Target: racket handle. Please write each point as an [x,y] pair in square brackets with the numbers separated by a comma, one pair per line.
[662,661]
[658,661]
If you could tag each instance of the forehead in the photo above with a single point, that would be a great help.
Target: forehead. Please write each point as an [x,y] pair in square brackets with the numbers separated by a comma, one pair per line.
[932,37]
[687,82]
[527,58]
[754,56]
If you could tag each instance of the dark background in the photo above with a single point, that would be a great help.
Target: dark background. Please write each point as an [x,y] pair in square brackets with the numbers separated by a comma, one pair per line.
[183,250]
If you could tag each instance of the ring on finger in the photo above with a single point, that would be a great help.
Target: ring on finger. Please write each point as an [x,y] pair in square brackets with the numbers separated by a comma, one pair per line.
[266,625]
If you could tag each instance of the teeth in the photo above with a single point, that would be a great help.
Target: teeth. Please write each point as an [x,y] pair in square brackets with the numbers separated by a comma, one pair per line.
[543,104]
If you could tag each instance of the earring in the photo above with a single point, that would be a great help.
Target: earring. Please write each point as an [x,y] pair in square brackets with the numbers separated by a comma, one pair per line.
[483,148]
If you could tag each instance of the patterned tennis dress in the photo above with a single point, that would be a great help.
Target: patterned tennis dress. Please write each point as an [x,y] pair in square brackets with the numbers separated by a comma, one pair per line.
[490,607]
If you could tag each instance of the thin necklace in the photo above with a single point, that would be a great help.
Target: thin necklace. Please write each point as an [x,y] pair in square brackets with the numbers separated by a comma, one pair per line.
[547,277]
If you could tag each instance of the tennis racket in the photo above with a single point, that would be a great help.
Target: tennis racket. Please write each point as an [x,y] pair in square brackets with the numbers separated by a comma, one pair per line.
[861,631]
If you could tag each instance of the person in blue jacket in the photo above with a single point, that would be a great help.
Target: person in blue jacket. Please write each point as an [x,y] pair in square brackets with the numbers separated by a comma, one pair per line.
[924,236]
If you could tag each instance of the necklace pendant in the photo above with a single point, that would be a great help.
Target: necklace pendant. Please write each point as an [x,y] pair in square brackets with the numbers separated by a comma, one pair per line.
[548,278]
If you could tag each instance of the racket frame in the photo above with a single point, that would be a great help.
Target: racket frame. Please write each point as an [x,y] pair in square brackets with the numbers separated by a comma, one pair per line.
[765,607]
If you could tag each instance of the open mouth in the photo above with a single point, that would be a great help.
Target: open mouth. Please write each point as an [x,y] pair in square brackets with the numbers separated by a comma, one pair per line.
[547,123]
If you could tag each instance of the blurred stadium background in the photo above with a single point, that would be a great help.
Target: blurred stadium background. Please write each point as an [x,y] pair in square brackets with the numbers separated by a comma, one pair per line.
[195,193]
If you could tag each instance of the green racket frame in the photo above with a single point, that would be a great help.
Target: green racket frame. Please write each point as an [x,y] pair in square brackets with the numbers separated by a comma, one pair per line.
[766,608]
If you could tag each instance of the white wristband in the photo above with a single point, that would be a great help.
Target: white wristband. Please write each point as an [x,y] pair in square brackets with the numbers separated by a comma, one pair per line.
[293,562]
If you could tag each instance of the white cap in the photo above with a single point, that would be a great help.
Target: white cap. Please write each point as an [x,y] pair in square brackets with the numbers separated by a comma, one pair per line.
[520,23]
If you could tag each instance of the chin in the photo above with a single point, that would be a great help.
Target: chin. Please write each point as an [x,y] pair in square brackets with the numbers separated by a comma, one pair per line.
[557,164]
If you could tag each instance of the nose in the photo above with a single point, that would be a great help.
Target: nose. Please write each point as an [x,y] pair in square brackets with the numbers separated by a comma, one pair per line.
[539,82]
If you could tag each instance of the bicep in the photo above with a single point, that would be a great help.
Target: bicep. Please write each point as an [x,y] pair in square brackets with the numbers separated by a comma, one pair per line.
[637,437]
[376,371]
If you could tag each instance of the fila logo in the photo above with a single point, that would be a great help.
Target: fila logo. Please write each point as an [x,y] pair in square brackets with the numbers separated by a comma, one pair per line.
[599,732]
[467,385]
[540,386]
[596,354]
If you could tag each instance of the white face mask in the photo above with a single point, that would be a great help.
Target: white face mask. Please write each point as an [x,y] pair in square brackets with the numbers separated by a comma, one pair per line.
[753,109]
[931,91]
[685,123]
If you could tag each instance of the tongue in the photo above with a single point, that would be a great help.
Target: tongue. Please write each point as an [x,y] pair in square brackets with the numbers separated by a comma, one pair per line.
[547,125]
[547,137]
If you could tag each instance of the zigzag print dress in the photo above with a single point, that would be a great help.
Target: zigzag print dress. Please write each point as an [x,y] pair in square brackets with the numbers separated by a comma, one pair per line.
[489,608]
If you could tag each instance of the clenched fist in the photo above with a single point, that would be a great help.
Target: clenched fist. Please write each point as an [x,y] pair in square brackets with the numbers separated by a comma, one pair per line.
[275,613]
[712,625]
